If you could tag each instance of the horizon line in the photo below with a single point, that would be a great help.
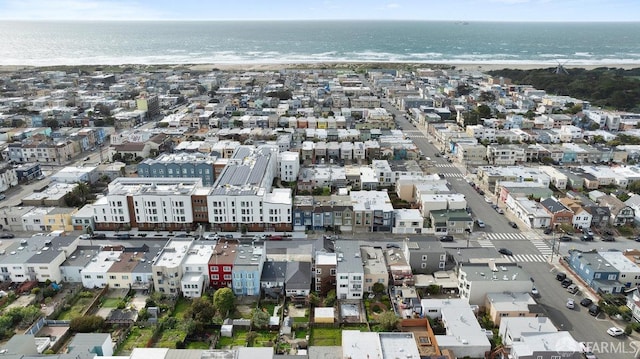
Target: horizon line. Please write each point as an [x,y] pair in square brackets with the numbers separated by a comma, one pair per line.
[323,20]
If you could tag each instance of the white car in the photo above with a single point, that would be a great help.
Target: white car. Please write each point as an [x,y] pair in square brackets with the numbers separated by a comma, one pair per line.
[211,237]
[487,199]
[84,236]
[571,304]
[535,292]
[615,331]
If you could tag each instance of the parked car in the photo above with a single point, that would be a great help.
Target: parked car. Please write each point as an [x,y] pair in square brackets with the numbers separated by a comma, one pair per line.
[573,289]
[548,230]
[211,237]
[561,276]
[480,192]
[594,309]
[513,224]
[566,283]
[571,304]
[535,292]
[615,331]
[500,210]
[565,238]
[2,196]
[586,302]
[99,236]
[447,238]
[505,251]
[480,223]
[6,235]
[487,199]
[608,238]
[587,238]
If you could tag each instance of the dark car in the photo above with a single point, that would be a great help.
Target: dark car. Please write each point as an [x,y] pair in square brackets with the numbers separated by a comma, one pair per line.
[608,238]
[608,232]
[561,276]
[586,302]
[447,238]
[566,282]
[587,238]
[565,238]
[594,309]
[6,235]
[548,230]
[513,225]
[99,236]
[505,251]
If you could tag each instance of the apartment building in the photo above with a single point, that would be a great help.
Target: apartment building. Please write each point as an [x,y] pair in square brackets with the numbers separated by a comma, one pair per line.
[349,271]
[167,268]
[247,269]
[375,268]
[242,197]
[180,165]
[221,264]
[289,166]
[372,211]
[324,272]
[195,267]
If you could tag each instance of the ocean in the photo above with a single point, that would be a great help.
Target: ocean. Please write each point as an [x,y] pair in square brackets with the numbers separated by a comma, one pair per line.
[263,42]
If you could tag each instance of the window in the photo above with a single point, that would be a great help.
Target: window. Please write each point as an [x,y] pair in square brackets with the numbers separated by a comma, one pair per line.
[318,270]
[227,277]
[215,277]
[332,271]
[226,269]
[423,265]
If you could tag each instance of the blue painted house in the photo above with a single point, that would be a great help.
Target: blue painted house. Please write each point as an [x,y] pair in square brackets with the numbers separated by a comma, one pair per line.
[247,270]
[595,271]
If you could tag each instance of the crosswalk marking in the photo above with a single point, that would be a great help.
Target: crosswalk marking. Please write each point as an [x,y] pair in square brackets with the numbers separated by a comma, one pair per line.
[447,165]
[526,258]
[485,243]
[451,175]
[505,236]
[542,247]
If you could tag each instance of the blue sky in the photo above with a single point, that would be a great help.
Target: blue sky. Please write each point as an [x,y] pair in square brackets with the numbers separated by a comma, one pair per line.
[469,10]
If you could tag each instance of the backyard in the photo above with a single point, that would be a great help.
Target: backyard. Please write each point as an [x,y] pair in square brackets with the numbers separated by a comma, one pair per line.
[78,307]
[170,337]
[263,338]
[111,302]
[325,337]
[138,338]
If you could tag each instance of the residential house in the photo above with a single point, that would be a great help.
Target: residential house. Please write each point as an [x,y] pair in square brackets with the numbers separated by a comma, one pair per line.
[451,222]
[628,270]
[349,270]
[509,305]
[195,268]
[325,271]
[221,263]
[375,268]
[595,271]
[425,256]
[399,268]
[167,269]
[407,221]
[581,217]
[621,214]
[531,213]
[297,281]
[475,280]
[560,215]
[247,269]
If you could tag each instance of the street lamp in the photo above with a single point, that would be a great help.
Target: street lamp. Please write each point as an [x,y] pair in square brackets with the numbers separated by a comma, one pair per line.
[553,245]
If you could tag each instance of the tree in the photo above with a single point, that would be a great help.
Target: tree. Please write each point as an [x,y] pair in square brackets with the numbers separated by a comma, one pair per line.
[634,187]
[484,111]
[86,324]
[53,124]
[260,318]
[388,320]
[251,337]
[378,288]
[223,300]
[314,299]
[330,300]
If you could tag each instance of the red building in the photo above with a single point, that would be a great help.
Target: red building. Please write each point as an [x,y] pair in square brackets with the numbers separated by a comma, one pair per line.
[221,263]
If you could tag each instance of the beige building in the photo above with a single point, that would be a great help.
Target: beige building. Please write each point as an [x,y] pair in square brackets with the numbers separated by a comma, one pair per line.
[469,154]
[375,268]
[509,305]
[59,219]
[120,274]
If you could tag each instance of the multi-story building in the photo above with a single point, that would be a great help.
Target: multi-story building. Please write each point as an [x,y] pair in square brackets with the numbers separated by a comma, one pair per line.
[168,267]
[349,271]
[247,269]
[147,203]
[289,166]
[505,155]
[195,268]
[375,268]
[180,165]
[425,257]
[221,264]
[559,213]
[325,271]
[475,280]
[242,196]
[372,211]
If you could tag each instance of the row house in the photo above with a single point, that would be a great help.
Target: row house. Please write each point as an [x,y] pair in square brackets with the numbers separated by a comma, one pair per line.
[400,272]
[330,212]
[531,213]
[168,269]
[44,151]
[505,155]
[195,265]
[375,267]
[372,211]
[324,272]
[349,271]
[221,264]
[180,165]
[559,213]
[581,217]
[620,213]
[247,269]
[595,271]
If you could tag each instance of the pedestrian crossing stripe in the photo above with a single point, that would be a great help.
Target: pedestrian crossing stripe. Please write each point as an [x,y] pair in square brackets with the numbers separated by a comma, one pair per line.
[485,243]
[505,236]
[543,248]
[524,258]
[451,175]
[447,165]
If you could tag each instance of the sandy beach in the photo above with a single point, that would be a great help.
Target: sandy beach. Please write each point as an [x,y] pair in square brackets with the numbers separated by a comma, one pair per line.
[482,67]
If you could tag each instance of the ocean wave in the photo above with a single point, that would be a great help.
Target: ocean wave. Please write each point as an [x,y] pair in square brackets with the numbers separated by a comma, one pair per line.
[275,57]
